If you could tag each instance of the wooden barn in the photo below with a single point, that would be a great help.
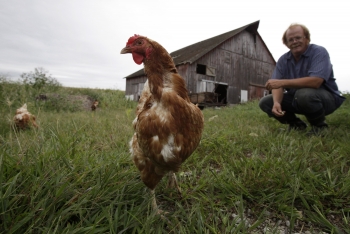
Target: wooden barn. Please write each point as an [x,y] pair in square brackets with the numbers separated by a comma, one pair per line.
[226,69]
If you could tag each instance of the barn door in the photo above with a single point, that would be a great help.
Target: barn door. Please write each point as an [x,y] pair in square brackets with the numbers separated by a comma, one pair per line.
[244,96]
[221,91]
[137,90]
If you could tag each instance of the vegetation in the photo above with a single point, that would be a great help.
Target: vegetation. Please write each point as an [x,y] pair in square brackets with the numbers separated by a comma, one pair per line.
[43,93]
[74,173]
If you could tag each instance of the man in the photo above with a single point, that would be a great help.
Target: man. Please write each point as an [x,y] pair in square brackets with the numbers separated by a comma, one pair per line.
[302,83]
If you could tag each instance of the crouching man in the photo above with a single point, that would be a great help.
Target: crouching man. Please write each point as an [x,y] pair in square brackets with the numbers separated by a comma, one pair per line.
[302,83]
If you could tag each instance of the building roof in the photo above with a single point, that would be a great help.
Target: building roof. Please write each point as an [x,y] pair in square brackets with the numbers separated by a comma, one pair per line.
[192,53]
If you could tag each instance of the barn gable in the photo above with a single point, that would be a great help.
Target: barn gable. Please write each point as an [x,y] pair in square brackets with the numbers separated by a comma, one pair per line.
[226,69]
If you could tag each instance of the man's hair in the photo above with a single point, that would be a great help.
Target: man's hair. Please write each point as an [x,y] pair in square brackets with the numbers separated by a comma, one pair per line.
[305,29]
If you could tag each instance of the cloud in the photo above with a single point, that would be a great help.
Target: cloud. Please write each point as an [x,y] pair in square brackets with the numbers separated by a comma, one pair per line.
[79,41]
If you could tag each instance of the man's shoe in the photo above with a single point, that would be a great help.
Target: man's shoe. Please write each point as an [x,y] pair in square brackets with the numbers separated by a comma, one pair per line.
[298,126]
[318,130]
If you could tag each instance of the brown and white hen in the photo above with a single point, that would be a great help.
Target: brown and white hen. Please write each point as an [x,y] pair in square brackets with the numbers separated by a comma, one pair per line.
[168,127]
[23,119]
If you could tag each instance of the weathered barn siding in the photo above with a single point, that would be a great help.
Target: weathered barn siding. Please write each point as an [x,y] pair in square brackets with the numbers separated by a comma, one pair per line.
[238,62]
[132,92]
[242,63]
[183,71]
[256,91]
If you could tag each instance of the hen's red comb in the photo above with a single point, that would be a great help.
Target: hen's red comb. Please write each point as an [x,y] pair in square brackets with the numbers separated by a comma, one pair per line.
[132,39]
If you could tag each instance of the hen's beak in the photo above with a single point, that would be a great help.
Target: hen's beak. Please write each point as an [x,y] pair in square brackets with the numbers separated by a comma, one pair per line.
[125,50]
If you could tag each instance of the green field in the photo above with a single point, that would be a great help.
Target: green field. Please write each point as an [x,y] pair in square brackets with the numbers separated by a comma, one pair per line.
[248,175]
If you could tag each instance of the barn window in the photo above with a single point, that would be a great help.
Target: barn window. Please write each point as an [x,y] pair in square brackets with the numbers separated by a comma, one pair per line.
[210,71]
[201,69]
[205,70]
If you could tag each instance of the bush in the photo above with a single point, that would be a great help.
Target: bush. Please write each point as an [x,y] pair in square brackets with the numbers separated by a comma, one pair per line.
[40,81]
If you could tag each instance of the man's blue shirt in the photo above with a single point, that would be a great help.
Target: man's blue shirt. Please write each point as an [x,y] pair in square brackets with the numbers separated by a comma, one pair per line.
[315,61]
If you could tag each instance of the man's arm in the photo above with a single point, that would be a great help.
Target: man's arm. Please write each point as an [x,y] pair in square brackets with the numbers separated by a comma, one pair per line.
[304,82]
[277,95]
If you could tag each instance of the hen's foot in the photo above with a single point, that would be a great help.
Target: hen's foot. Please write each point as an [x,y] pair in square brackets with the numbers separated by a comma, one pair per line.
[172,183]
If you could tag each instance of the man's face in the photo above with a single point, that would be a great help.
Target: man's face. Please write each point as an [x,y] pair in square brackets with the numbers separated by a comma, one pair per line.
[296,41]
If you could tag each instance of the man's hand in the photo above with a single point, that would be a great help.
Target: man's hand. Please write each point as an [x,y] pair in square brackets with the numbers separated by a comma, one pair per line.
[277,110]
[273,84]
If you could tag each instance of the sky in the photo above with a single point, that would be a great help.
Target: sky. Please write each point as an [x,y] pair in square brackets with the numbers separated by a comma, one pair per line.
[79,41]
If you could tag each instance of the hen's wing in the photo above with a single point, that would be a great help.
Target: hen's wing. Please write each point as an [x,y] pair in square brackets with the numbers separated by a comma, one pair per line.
[166,134]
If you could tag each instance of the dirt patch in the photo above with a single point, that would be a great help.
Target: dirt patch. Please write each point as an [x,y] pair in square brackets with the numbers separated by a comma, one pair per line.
[85,100]
[70,102]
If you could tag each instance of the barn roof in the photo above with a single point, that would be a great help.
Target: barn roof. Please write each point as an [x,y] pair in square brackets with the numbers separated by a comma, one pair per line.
[192,53]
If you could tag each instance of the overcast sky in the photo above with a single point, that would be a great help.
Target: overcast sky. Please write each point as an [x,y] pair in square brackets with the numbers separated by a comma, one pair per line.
[79,41]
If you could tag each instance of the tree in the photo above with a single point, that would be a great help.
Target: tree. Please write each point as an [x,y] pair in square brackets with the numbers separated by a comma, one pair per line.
[40,80]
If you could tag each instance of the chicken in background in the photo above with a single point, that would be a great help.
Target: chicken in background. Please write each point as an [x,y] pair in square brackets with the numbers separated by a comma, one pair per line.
[168,127]
[23,119]
[94,105]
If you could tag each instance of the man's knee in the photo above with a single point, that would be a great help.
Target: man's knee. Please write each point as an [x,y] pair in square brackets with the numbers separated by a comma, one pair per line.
[309,100]
[305,99]
[305,93]
[266,103]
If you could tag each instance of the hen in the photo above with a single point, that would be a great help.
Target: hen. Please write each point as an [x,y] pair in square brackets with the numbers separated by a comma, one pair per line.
[23,119]
[94,105]
[168,127]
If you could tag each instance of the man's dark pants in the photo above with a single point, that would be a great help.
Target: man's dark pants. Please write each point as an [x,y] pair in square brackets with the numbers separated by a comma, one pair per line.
[315,104]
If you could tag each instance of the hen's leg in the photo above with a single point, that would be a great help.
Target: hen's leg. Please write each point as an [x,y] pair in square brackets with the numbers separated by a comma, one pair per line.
[173,182]
[154,202]
[155,206]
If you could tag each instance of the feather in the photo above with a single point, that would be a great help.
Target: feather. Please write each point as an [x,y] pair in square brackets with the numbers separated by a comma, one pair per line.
[168,127]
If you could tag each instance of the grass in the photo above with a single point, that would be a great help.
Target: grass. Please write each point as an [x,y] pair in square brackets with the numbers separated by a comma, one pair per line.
[74,175]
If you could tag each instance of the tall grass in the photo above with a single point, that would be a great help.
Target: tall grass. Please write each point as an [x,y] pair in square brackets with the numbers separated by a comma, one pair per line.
[13,94]
[74,175]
